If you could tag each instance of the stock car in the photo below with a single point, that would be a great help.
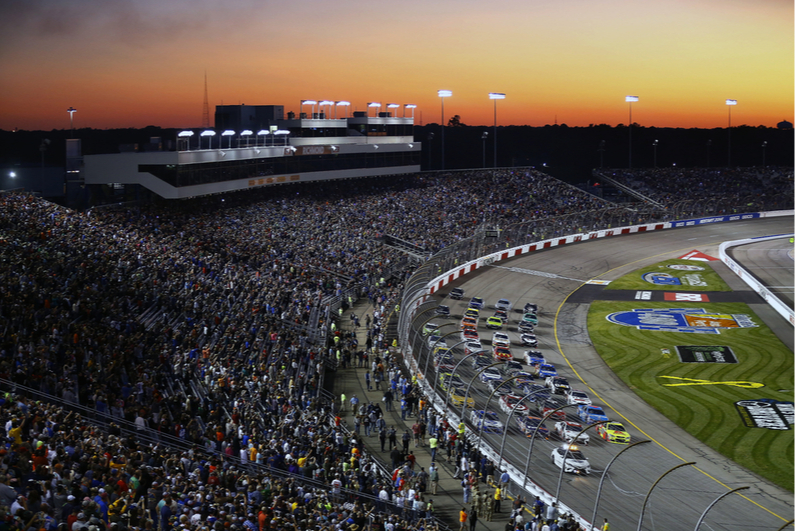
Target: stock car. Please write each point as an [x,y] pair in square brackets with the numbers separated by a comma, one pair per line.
[504,304]
[530,318]
[590,413]
[512,367]
[526,327]
[469,334]
[472,312]
[550,404]
[529,424]
[534,357]
[558,385]
[530,307]
[571,460]
[443,310]
[576,396]
[490,421]
[529,340]
[502,314]
[444,362]
[457,398]
[429,328]
[545,370]
[476,302]
[492,373]
[434,340]
[481,360]
[447,380]
[567,431]
[472,346]
[502,353]
[540,393]
[457,294]
[500,387]
[613,432]
[510,402]
[494,323]
[501,338]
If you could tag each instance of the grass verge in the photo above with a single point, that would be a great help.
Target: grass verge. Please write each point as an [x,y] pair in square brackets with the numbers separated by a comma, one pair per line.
[705,279]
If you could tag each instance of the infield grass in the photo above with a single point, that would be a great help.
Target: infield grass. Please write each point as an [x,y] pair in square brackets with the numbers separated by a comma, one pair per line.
[708,276]
[706,411]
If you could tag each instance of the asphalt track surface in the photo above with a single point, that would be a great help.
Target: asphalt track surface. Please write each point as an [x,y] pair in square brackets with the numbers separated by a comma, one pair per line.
[550,278]
[771,262]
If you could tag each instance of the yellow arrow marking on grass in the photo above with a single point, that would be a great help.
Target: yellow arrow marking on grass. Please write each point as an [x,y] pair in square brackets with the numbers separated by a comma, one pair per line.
[695,381]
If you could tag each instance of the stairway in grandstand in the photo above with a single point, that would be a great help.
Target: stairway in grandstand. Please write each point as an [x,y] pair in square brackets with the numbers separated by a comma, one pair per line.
[407,247]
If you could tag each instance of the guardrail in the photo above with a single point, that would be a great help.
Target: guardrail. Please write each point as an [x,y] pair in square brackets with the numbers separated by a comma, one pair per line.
[785,311]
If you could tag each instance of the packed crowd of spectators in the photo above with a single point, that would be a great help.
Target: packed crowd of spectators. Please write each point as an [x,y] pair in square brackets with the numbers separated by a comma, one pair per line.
[191,320]
[746,189]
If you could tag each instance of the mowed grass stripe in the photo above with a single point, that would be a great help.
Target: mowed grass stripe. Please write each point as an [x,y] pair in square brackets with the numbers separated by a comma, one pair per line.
[705,411]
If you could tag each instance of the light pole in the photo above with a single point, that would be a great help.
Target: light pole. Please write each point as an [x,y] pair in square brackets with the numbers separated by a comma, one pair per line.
[341,103]
[327,104]
[655,151]
[630,100]
[264,134]
[730,104]
[495,96]
[186,135]
[764,145]
[375,105]
[230,134]
[209,133]
[71,111]
[409,106]
[246,133]
[307,102]
[393,106]
[443,94]
[483,137]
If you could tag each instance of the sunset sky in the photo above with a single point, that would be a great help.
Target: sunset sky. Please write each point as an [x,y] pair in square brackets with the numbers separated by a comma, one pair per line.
[132,63]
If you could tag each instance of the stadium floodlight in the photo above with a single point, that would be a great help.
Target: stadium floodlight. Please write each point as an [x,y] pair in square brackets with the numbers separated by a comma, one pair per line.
[12,174]
[262,133]
[230,134]
[443,94]
[246,132]
[730,104]
[630,100]
[393,106]
[281,132]
[495,96]
[375,104]
[341,103]
[409,106]
[209,133]
[183,134]
[326,102]
[308,102]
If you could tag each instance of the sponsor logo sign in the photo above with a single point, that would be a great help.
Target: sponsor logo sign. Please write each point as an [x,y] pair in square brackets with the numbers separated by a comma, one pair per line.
[718,219]
[685,297]
[691,320]
[643,295]
[766,413]
[685,267]
[662,279]
[693,279]
[705,354]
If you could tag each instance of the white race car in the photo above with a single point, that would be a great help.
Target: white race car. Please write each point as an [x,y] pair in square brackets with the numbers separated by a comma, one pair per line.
[508,402]
[576,396]
[571,460]
[489,419]
[567,431]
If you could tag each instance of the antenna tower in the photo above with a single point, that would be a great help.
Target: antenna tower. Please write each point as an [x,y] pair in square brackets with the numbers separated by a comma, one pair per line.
[206,106]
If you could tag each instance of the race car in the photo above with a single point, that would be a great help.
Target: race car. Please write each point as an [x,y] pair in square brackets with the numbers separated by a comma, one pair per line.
[476,302]
[472,312]
[471,322]
[530,318]
[510,402]
[492,373]
[447,380]
[613,432]
[558,385]
[575,396]
[481,360]
[472,346]
[494,323]
[529,339]
[457,294]
[429,328]
[524,326]
[442,310]
[545,370]
[457,398]
[550,405]
[530,424]
[500,387]
[444,362]
[502,314]
[567,431]
[530,307]
[469,334]
[590,414]
[534,357]
[502,353]
[434,340]
[512,367]
[500,338]
[488,419]
[571,460]
[540,393]
[504,304]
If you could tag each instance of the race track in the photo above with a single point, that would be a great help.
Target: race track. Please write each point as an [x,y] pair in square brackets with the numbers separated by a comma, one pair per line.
[549,278]
[771,263]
